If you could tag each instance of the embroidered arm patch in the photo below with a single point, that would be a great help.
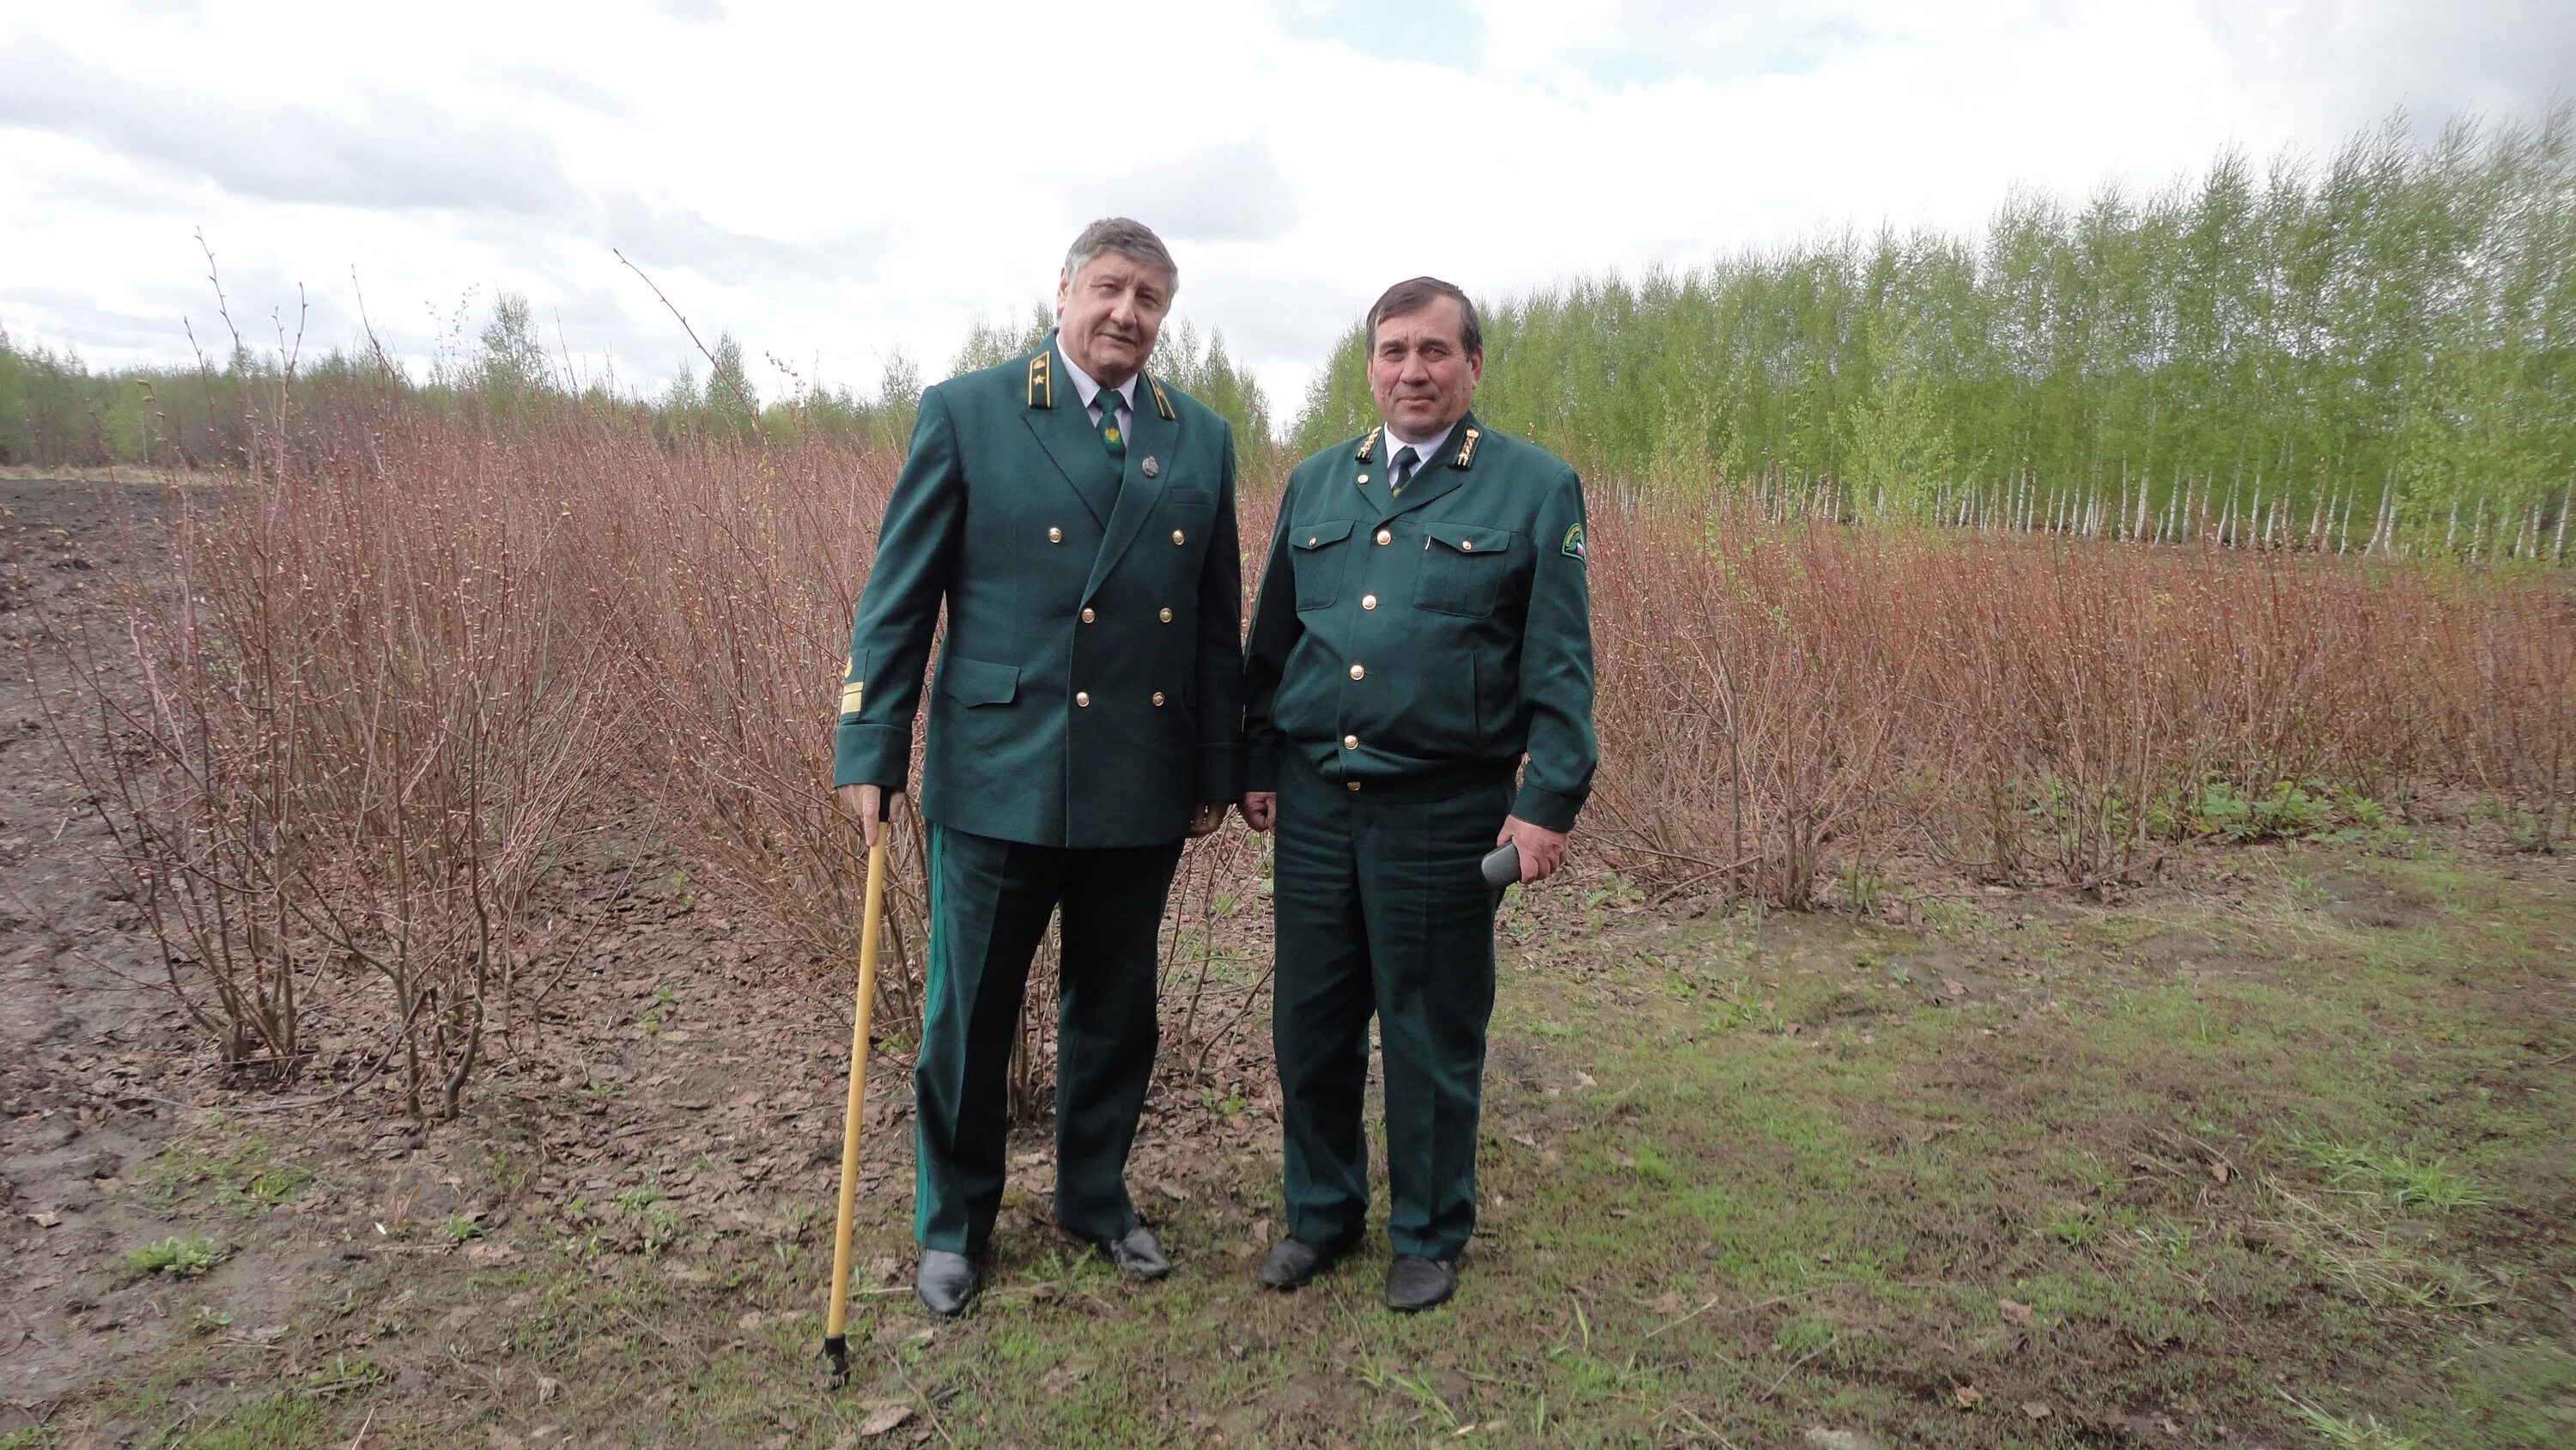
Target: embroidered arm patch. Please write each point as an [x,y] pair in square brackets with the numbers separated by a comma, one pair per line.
[1573,548]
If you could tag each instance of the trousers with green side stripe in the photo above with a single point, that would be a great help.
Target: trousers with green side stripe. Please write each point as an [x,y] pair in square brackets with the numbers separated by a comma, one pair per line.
[989,904]
[1382,911]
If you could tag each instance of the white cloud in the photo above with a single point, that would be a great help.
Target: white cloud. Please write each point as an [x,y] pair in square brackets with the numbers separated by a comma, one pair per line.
[831,183]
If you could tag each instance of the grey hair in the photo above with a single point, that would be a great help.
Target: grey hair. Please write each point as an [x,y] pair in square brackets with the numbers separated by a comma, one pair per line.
[1132,239]
[1411,296]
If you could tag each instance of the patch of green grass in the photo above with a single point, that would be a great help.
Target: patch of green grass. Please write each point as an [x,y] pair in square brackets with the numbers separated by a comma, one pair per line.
[32,1437]
[2406,1181]
[345,1373]
[285,1420]
[2350,1432]
[193,1254]
[241,1180]
[2516,1394]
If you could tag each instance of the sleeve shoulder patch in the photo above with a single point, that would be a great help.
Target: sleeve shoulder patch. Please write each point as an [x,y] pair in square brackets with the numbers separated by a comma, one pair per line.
[1573,546]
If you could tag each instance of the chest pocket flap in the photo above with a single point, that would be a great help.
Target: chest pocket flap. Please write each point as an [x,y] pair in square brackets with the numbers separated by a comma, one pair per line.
[1463,569]
[1468,538]
[1317,564]
[1316,536]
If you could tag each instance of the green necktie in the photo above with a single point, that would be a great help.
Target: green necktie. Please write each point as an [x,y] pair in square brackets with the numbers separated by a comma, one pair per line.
[1107,398]
[1404,460]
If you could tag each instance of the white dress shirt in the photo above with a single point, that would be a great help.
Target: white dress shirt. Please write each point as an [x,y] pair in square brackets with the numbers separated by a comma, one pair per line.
[1424,451]
[1093,395]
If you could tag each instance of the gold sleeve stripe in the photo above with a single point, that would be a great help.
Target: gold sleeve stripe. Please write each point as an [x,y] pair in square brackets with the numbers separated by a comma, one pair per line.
[851,694]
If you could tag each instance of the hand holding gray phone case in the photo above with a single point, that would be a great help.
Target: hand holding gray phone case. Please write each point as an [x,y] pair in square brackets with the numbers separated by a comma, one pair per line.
[1503,864]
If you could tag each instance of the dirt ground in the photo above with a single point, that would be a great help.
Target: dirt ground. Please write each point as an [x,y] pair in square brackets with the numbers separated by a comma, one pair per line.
[2272,1152]
[676,1055]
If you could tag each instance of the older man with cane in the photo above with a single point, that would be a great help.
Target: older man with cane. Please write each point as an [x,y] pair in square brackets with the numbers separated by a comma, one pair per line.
[1076,517]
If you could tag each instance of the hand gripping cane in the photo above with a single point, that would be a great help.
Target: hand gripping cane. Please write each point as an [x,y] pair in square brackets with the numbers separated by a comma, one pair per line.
[836,1345]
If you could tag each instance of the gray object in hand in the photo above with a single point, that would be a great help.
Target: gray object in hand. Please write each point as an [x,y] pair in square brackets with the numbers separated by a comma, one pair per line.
[1503,864]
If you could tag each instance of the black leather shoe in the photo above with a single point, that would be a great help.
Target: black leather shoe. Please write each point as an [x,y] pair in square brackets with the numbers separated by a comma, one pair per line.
[1414,1283]
[1293,1261]
[1137,1253]
[946,1282]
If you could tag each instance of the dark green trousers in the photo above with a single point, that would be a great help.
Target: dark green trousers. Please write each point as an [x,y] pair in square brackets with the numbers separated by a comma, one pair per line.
[1381,911]
[989,904]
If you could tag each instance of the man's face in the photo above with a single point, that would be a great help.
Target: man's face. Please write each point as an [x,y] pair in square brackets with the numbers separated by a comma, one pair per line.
[1420,370]
[1106,319]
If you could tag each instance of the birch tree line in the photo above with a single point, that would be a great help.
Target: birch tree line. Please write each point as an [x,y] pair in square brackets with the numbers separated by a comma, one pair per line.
[2332,353]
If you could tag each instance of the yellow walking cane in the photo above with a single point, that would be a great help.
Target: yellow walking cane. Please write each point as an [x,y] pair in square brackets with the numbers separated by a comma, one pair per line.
[836,1345]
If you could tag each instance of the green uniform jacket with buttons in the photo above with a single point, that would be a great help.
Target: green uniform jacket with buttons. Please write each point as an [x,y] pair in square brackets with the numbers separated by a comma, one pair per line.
[1443,634]
[1090,688]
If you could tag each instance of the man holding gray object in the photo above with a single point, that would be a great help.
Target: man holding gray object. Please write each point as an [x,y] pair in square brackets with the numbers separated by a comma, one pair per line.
[1422,636]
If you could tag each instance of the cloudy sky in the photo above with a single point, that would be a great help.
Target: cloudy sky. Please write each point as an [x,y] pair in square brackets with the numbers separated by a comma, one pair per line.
[836,182]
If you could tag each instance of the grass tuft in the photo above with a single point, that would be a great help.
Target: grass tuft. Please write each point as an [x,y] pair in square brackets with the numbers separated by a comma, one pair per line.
[2407,1183]
[2350,1432]
[194,1254]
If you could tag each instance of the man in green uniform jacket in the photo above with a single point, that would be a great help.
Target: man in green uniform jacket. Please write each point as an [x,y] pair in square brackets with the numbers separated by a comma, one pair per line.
[1423,636]
[1077,517]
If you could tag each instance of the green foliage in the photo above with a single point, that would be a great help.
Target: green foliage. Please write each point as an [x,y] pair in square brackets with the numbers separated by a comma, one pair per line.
[989,344]
[2279,353]
[512,371]
[194,1254]
[2288,809]
[242,1180]
[2297,810]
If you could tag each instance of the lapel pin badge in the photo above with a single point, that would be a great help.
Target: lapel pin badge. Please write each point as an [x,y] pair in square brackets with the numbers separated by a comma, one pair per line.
[1151,467]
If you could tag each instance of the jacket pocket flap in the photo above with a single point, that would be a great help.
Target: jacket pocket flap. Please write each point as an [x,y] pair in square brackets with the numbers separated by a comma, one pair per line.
[1316,536]
[1468,539]
[974,682]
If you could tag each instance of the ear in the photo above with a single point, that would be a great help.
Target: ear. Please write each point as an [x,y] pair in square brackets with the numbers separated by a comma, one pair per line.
[1063,290]
[1475,368]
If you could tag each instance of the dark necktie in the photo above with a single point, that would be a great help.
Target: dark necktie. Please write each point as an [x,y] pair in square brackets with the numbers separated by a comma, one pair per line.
[1107,398]
[1404,460]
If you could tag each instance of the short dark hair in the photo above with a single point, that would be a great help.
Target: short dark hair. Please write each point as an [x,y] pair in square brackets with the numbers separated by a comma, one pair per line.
[1128,239]
[1406,298]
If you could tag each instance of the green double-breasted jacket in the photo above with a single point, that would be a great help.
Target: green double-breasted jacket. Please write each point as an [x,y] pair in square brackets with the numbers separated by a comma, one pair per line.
[1089,689]
[1442,634]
